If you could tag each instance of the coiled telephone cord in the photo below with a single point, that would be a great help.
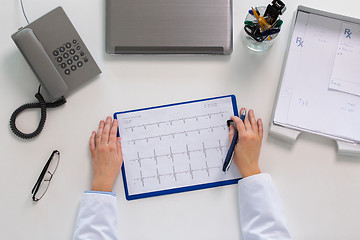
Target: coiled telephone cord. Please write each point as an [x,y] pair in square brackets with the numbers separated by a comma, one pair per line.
[43,106]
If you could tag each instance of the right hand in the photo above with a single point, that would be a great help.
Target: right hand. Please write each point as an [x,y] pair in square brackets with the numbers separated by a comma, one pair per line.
[247,149]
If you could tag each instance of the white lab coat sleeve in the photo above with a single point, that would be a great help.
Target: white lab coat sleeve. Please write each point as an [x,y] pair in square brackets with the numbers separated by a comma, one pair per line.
[97,217]
[261,213]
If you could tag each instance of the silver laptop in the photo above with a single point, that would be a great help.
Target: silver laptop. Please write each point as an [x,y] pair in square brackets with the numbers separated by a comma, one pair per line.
[169,26]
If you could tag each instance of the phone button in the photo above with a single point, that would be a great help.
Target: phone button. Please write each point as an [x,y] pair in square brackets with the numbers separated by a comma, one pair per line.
[69,61]
[66,55]
[73,67]
[63,65]
[56,53]
[59,59]
[76,57]
[79,63]
[62,49]
[67,71]
[68,45]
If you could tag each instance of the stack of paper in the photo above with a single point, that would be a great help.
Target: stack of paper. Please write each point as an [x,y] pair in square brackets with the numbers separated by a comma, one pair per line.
[321,82]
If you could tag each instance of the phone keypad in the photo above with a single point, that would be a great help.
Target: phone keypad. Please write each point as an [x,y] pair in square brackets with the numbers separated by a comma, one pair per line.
[70,56]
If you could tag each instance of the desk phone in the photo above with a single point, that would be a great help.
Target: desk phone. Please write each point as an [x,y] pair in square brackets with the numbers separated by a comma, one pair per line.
[59,59]
[56,53]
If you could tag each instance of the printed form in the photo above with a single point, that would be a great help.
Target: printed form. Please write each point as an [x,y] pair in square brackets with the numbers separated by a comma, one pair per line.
[176,146]
[346,72]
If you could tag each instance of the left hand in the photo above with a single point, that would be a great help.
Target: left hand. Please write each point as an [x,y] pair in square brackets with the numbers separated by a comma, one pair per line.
[106,155]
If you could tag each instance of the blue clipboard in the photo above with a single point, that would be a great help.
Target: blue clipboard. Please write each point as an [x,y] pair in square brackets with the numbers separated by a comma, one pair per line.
[180,189]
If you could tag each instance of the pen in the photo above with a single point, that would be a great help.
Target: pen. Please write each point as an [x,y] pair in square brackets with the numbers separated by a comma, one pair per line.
[263,23]
[254,32]
[228,158]
[278,23]
[258,19]
[249,23]
[251,12]
[270,31]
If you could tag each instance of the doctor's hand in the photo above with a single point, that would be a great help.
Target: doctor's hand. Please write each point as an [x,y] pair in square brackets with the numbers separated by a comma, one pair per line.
[106,155]
[247,149]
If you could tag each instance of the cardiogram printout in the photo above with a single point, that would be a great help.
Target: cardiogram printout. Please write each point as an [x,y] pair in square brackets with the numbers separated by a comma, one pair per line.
[319,87]
[176,148]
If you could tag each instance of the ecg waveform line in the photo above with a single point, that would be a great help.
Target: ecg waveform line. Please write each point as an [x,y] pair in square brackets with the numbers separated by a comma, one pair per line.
[174,120]
[175,173]
[177,133]
[171,154]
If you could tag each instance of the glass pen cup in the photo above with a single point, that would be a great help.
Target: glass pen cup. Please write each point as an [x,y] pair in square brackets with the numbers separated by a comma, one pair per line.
[250,42]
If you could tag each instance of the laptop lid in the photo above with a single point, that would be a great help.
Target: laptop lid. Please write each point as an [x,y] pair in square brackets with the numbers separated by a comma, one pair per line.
[169,26]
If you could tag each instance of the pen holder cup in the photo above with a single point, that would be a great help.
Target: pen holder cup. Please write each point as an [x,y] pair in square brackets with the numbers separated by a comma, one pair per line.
[250,41]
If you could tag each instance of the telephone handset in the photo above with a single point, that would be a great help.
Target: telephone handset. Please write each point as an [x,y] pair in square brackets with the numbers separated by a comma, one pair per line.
[59,59]
[41,64]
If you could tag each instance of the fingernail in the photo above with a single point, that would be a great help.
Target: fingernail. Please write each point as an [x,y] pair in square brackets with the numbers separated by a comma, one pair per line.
[231,128]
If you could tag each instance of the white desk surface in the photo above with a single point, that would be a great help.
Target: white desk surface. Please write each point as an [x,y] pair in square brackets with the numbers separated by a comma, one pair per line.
[319,189]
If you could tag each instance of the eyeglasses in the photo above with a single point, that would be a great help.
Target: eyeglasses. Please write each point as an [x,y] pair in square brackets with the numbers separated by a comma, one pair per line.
[43,182]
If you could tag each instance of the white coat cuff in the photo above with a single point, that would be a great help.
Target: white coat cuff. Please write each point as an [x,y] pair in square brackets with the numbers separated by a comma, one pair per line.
[255,179]
[101,192]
